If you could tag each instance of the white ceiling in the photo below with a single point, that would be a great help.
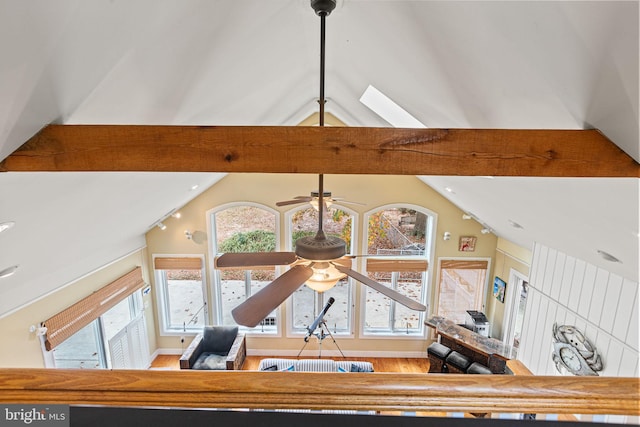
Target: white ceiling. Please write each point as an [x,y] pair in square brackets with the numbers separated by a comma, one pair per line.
[476,64]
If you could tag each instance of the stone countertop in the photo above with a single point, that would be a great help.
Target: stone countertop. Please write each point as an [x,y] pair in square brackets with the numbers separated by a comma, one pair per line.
[469,338]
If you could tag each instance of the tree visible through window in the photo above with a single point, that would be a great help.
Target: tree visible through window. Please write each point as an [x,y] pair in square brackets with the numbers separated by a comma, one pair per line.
[400,234]
[307,303]
[243,228]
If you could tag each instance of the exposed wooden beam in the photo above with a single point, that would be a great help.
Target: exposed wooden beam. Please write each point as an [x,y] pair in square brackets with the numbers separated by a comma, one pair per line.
[306,390]
[330,150]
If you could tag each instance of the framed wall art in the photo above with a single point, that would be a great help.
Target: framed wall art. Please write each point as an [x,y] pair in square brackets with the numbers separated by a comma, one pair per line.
[499,287]
[467,244]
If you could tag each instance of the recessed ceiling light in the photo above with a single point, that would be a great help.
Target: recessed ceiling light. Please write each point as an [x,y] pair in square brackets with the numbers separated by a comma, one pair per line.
[449,190]
[4,226]
[515,224]
[8,271]
[608,257]
[194,187]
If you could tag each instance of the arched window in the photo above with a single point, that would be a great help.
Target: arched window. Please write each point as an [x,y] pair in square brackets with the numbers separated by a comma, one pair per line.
[246,227]
[402,234]
[306,303]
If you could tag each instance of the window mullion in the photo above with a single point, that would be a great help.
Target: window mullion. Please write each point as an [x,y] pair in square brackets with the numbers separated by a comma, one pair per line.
[99,336]
[165,299]
[247,283]
[392,303]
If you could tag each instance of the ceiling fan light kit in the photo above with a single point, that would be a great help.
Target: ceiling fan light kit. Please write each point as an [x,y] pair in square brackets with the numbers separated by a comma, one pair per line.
[325,276]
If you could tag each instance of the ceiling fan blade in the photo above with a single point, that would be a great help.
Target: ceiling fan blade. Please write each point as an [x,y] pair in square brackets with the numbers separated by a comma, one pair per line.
[293,202]
[251,312]
[254,259]
[394,295]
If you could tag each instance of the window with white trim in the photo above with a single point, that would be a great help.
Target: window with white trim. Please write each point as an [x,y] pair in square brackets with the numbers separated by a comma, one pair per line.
[306,303]
[461,287]
[181,293]
[244,227]
[83,350]
[88,348]
[399,241]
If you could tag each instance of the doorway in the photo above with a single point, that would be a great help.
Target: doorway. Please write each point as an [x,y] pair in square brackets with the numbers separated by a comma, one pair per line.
[516,305]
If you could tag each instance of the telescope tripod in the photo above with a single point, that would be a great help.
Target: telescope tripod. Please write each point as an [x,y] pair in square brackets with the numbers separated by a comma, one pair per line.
[321,335]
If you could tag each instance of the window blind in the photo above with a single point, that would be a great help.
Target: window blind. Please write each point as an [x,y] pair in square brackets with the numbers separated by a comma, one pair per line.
[459,264]
[71,320]
[375,265]
[175,263]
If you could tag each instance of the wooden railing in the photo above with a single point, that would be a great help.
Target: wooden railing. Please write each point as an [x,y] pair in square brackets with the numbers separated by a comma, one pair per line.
[355,391]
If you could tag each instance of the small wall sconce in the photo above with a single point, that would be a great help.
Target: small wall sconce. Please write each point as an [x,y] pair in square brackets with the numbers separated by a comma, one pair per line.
[485,231]
[188,234]
[446,235]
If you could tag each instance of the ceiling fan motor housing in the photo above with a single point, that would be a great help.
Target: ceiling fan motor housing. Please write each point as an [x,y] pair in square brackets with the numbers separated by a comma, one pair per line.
[323,7]
[320,247]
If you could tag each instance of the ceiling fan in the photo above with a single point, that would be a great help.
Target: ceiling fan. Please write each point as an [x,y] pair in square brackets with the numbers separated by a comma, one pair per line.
[320,261]
[314,200]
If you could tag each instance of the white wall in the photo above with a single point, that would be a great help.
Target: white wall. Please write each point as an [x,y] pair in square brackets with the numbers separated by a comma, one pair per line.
[602,305]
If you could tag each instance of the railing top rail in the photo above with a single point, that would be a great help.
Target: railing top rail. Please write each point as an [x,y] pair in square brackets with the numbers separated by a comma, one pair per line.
[359,391]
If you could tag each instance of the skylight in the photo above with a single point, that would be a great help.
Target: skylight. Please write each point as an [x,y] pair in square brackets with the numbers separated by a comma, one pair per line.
[383,106]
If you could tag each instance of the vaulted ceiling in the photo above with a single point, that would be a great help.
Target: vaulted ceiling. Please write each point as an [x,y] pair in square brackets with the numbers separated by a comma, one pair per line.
[475,64]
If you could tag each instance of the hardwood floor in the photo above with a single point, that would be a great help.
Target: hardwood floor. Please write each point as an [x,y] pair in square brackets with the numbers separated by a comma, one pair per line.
[380,364]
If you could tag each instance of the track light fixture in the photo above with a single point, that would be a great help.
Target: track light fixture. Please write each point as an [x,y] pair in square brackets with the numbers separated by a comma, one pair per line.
[161,226]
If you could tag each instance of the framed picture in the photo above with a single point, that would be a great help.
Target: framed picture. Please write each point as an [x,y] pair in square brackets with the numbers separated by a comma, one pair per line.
[467,244]
[499,286]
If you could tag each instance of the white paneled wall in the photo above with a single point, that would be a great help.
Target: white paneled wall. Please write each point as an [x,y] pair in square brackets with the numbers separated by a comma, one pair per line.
[569,291]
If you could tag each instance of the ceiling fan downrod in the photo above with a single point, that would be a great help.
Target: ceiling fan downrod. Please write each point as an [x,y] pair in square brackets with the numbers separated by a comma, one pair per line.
[321,247]
[323,8]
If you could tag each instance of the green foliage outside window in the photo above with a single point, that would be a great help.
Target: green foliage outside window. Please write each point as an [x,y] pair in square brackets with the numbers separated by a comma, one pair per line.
[251,241]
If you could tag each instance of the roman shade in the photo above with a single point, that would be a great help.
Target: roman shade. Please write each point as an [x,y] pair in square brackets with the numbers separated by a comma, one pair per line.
[175,263]
[71,320]
[375,265]
[460,264]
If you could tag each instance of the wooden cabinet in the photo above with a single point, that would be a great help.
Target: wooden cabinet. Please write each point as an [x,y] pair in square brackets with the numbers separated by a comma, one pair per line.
[486,351]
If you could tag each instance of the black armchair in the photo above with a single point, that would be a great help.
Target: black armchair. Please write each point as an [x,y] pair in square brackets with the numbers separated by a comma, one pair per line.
[216,348]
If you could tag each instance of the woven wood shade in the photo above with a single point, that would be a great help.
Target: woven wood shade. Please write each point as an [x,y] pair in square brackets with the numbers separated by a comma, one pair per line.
[464,265]
[388,265]
[177,263]
[69,321]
